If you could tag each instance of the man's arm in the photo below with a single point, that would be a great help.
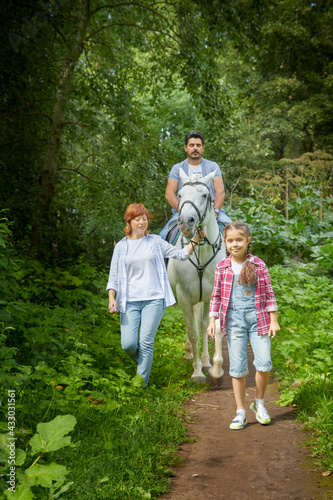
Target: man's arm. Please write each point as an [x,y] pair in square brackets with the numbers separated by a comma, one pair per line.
[220,193]
[170,193]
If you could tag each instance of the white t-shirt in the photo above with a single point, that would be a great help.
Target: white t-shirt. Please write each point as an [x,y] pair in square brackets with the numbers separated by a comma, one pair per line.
[236,267]
[143,282]
[194,169]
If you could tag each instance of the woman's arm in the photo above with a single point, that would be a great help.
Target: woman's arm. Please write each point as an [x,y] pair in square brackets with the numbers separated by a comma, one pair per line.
[112,302]
[112,285]
[173,252]
[113,275]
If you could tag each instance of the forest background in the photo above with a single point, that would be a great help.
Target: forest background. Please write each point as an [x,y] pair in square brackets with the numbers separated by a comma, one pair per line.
[96,99]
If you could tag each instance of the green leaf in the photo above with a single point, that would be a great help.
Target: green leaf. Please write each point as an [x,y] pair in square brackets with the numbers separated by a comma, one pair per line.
[20,456]
[51,435]
[62,490]
[21,493]
[44,475]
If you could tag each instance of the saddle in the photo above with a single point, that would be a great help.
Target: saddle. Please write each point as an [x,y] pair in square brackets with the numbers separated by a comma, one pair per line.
[173,234]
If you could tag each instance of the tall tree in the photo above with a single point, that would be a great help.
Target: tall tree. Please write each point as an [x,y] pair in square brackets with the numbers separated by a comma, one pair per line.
[72,29]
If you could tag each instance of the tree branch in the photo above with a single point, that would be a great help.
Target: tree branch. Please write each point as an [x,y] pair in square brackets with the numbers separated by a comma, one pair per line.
[127,23]
[38,114]
[282,189]
[98,42]
[59,32]
[39,100]
[77,123]
[136,4]
[80,173]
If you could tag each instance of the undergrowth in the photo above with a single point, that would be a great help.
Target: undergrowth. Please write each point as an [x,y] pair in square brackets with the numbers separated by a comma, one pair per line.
[303,352]
[60,354]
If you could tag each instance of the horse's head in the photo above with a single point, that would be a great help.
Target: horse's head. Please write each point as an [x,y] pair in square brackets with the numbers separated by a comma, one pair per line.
[194,201]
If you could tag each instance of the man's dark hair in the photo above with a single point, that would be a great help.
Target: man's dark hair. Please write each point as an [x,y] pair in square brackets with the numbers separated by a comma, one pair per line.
[194,135]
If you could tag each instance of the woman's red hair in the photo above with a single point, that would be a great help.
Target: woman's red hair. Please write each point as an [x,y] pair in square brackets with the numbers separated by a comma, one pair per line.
[132,211]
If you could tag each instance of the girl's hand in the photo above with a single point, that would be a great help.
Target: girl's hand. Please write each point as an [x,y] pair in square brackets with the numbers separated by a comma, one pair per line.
[211,327]
[273,328]
[112,306]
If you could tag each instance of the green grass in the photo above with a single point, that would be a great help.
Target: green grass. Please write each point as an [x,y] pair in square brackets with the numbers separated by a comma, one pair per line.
[127,453]
[124,447]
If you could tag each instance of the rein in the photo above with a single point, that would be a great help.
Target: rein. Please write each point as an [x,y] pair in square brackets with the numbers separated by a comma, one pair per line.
[216,246]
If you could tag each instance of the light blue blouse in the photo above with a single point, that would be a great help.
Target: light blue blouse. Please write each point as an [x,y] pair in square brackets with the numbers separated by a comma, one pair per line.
[118,273]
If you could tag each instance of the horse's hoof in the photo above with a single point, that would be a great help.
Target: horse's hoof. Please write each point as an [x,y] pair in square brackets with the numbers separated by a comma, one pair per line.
[188,356]
[206,368]
[199,379]
[215,383]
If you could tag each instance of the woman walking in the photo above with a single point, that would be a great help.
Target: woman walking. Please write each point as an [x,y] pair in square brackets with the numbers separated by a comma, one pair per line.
[139,286]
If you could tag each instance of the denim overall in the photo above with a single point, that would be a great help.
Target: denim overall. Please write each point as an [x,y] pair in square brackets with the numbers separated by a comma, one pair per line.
[241,324]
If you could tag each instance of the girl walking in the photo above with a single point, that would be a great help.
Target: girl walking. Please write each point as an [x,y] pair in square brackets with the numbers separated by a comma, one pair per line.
[244,300]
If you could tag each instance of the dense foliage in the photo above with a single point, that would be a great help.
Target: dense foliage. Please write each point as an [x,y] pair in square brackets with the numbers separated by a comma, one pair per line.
[60,352]
[95,101]
[303,353]
[69,364]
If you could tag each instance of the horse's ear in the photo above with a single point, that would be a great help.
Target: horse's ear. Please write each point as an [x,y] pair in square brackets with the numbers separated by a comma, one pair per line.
[183,177]
[209,177]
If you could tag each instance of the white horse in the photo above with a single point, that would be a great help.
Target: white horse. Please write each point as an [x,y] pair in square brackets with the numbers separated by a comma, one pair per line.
[192,280]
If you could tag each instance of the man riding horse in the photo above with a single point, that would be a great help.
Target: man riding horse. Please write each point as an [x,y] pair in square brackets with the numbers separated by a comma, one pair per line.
[195,164]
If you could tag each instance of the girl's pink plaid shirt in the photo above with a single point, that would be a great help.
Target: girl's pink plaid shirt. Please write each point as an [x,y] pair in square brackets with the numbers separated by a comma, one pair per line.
[265,298]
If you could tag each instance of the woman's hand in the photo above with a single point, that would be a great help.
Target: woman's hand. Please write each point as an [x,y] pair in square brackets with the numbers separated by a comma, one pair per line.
[195,240]
[199,235]
[112,306]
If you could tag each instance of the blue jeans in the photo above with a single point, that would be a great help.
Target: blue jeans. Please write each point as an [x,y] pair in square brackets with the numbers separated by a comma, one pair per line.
[146,316]
[241,324]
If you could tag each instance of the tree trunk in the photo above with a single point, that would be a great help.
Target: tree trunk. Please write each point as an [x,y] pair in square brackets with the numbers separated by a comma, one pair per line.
[53,142]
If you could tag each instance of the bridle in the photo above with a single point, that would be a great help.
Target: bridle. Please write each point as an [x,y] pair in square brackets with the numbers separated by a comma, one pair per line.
[208,204]
[216,246]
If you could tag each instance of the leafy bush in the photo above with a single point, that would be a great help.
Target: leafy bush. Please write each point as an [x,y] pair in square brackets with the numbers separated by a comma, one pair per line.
[50,436]
[303,351]
[277,241]
[61,353]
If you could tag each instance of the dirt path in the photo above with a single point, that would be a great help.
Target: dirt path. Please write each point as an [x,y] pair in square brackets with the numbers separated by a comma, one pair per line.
[256,463]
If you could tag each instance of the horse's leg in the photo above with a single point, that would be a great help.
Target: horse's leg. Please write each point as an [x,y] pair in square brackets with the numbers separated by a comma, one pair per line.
[188,349]
[193,336]
[201,314]
[215,374]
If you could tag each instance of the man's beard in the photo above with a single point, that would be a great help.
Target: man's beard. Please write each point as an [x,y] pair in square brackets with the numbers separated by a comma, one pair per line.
[196,157]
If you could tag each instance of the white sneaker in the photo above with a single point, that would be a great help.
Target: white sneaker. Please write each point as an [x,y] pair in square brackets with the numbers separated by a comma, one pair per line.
[239,422]
[261,413]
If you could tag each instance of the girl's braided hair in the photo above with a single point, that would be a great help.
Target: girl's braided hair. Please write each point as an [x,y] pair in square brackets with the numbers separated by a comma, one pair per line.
[248,275]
